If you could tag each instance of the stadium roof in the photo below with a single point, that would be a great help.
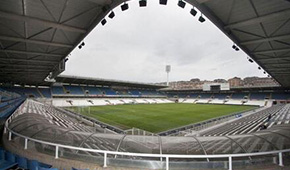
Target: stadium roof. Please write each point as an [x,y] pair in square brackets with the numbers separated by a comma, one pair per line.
[239,88]
[260,28]
[36,36]
[103,82]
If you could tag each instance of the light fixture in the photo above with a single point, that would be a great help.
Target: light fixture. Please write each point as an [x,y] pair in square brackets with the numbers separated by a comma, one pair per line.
[66,59]
[111,15]
[162,2]
[193,12]
[201,19]
[142,3]
[181,4]
[259,68]
[104,21]
[124,7]
[264,72]
[235,47]
[250,60]
[81,45]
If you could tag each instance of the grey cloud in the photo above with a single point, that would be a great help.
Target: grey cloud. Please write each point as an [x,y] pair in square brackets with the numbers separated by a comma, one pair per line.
[138,43]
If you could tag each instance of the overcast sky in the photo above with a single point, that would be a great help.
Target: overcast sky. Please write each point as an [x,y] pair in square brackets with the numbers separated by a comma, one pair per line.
[137,44]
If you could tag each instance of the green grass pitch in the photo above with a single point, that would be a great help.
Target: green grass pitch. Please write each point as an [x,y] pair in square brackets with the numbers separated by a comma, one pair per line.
[157,117]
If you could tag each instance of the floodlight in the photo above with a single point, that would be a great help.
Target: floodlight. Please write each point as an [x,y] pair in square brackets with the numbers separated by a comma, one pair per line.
[112,15]
[201,19]
[124,7]
[193,12]
[162,2]
[181,4]
[142,3]
[237,49]
[104,21]
[259,68]
[80,46]
[250,60]
[83,44]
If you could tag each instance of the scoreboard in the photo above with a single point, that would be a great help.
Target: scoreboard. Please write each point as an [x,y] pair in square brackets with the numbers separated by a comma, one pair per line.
[216,87]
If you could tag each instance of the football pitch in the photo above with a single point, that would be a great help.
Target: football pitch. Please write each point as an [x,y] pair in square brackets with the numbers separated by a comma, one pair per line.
[157,117]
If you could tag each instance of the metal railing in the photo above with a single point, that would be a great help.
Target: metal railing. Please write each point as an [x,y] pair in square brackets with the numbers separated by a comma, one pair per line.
[161,156]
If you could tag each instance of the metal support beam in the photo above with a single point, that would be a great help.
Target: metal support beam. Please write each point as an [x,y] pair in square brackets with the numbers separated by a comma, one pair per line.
[17,39]
[46,23]
[202,1]
[261,40]
[30,53]
[281,74]
[28,60]
[271,51]
[272,16]
[273,58]
[15,66]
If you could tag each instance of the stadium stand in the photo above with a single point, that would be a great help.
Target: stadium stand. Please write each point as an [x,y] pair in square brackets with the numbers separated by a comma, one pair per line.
[9,102]
[77,90]
[251,123]
[92,90]
[24,91]
[281,96]
[242,135]
[45,92]
[57,90]
[239,95]
[134,92]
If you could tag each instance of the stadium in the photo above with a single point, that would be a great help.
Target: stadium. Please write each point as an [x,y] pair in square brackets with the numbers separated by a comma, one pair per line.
[51,121]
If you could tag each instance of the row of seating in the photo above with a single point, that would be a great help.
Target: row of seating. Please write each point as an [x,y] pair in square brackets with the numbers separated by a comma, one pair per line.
[68,90]
[87,90]
[223,96]
[63,102]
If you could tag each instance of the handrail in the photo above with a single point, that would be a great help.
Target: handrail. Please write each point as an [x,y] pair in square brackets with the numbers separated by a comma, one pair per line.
[146,154]
[167,156]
